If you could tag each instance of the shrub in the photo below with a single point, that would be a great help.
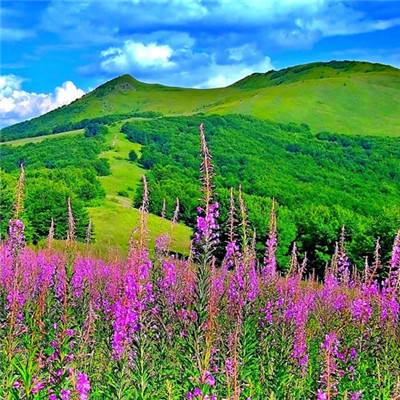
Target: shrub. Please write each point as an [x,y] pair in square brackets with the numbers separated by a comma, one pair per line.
[132,156]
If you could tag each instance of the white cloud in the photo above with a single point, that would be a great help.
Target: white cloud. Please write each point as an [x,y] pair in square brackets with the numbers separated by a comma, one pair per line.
[284,22]
[224,75]
[66,93]
[14,34]
[136,55]
[242,52]
[17,104]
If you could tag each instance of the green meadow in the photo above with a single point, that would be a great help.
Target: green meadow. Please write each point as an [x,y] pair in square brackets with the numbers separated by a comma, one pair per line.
[115,218]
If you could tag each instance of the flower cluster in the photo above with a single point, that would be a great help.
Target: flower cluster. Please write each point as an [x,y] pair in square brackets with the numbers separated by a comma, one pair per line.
[154,325]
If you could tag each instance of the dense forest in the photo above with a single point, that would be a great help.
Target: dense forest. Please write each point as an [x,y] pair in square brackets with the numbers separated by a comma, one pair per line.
[55,170]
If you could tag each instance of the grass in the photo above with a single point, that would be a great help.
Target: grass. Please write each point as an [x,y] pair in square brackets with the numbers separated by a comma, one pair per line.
[344,104]
[114,223]
[115,218]
[38,139]
[340,104]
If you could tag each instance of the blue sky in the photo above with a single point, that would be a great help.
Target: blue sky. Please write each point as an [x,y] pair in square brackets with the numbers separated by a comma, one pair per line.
[54,51]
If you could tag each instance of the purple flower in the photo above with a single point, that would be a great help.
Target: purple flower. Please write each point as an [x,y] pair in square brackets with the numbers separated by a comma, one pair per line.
[162,243]
[206,227]
[65,394]
[208,378]
[341,261]
[124,325]
[390,306]
[69,332]
[253,288]
[16,237]
[82,385]
[168,281]
[353,353]
[231,253]
[16,385]
[361,310]
[197,392]
[229,366]
[267,313]
[356,395]
[321,395]
[38,387]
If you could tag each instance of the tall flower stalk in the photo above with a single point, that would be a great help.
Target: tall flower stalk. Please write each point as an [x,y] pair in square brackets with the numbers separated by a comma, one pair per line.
[71,224]
[329,377]
[206,234]
[342,261]
[19,195]
[372,272]
[270,265]
[394,264]
[50,236]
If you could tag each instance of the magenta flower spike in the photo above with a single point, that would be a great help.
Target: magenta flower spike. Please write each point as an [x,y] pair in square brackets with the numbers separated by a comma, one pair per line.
[343,263]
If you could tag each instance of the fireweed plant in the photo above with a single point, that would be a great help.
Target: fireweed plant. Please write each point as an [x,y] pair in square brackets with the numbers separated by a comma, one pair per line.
[167,327]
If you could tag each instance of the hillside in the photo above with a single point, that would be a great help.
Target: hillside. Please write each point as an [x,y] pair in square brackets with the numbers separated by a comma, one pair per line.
[321,182]
[340,96]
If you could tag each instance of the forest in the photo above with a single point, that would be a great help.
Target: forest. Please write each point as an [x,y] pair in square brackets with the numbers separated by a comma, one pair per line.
[56,169]
[321,182]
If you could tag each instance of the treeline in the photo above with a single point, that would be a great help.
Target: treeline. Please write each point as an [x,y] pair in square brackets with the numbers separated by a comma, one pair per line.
[321,182]
[55,170]
[30,129]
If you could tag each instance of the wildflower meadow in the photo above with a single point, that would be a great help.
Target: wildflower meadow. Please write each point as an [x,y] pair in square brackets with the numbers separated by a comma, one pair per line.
[158,325]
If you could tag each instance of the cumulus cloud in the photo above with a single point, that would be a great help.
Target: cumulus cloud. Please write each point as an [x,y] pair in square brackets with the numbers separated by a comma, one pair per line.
[17,104]
[136,55]
[224,75]
[108,21]
[186,65]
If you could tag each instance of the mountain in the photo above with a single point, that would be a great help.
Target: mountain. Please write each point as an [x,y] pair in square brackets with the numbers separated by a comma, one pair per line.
[348,97]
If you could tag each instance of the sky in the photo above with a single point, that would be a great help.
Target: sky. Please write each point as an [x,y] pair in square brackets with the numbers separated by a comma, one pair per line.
[54,51]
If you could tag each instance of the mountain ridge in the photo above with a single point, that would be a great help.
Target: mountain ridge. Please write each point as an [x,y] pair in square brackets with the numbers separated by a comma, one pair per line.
[277,77]
[338,96]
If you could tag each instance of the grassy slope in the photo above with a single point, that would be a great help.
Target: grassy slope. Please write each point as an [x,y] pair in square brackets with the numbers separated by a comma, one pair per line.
[342,104]
[115,218]
[38,139]
[355,98]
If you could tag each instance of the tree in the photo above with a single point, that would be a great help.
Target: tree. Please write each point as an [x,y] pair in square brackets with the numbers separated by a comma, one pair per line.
[133,155]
